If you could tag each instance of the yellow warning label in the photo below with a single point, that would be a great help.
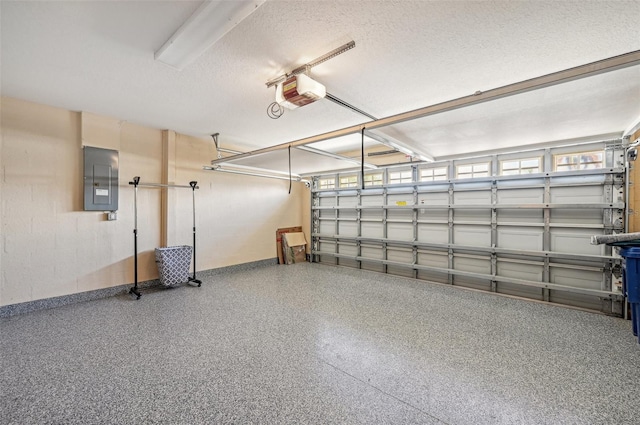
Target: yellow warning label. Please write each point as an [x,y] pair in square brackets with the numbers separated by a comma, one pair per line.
[401,203]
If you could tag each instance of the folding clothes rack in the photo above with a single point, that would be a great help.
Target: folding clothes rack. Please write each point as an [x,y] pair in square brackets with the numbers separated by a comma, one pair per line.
[136,183]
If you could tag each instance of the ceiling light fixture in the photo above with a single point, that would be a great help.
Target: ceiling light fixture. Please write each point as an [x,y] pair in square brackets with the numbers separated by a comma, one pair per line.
[208,24]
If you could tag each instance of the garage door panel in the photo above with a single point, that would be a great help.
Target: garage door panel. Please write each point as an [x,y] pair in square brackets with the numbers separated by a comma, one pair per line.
[577,216]
[574,241]
[481,216]
[327,214]
[404,215]
[474,265]
[521,196]
[433,233]
[372,230]
[348,228]
[327,259]
[433,215]
[482,197]
[586,279]
[329,201]
[577,195]
[531,216]
[327,227]
[371,200]
[531,292]
[399,255]
[348,214]
[372,266]
[472,235]
[347,201]
[467,282]
[372,215]
[518,270]
[327,246]
[433,260]
[518,238]
[400,199]
[375,253]
[400,271]
[347,262]
[400,231]
[438,198]
[433,276]
[530,272]
[347,249]
[574,299]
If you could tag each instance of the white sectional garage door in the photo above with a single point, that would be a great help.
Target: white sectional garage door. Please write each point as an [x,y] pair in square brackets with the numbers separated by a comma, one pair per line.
[526,235]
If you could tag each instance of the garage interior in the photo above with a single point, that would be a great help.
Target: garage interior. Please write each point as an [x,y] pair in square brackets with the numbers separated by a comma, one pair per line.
[448,164]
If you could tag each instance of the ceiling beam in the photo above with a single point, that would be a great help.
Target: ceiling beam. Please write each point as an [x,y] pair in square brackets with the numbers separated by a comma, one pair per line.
[335,156]
[572,74]
[383,137]
[389,141]
[293,178]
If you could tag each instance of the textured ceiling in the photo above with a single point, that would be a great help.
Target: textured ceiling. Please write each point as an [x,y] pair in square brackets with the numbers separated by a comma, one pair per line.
[99,57]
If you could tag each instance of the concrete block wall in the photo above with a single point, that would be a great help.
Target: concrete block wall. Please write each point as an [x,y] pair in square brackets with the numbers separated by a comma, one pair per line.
[50,247]
[237,216]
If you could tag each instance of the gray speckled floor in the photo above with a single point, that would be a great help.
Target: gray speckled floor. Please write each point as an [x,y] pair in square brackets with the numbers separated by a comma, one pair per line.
[308,343]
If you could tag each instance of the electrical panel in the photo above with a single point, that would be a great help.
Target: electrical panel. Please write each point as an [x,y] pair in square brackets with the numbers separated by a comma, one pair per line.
[100,179]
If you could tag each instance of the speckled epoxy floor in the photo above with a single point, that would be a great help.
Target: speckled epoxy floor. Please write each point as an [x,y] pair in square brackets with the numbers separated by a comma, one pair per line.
[316,344]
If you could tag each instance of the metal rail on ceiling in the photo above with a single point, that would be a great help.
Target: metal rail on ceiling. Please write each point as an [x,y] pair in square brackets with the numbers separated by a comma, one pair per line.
[293,178]
[382,138]
[571,74]
[317,61]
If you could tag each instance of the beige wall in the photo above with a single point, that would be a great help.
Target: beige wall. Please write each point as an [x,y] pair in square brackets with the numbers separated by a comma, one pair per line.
[237,216]
[50,247]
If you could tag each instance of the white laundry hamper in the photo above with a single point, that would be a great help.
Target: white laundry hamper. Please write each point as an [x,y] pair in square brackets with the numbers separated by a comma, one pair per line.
[173,264]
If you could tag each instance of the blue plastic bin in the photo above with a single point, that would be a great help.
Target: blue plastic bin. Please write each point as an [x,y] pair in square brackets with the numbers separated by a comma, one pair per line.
[631,283]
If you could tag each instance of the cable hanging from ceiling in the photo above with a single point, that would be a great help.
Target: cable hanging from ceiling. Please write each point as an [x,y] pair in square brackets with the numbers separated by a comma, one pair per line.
[275,111]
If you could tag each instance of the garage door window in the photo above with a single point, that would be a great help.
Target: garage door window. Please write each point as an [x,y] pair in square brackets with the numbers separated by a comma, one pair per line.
[327,183]
[468,171]
[579,161]
[520,166]
[433,174]
[401,177]
[348,181]
[374,179]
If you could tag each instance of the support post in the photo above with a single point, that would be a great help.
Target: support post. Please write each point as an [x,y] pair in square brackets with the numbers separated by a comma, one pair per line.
[135,290]
[193,279]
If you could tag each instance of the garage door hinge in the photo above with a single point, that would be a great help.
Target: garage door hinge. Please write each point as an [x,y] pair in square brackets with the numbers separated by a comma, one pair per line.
[616,270]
